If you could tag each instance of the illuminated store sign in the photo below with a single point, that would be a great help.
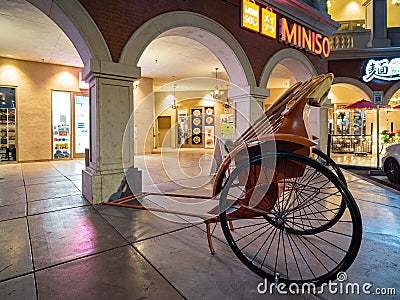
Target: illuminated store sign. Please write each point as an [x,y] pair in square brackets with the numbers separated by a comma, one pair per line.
[250,15]
[382,69]
[298,36]
[268,24]
[292,34]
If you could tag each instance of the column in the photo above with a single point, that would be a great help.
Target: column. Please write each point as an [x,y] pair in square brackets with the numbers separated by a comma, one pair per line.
[379,25]
[111,106]
[248,104]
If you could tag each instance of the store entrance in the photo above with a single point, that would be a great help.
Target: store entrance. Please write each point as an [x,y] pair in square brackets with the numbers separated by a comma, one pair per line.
[70,124]
[164,128]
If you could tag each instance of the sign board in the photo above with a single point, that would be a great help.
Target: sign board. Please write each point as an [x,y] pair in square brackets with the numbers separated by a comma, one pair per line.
[289,32]
[378,97]
[268,21]
[250,15]
[382,69]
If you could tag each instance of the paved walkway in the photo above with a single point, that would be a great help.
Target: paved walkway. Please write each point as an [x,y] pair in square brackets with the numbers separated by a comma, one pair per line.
[54,245]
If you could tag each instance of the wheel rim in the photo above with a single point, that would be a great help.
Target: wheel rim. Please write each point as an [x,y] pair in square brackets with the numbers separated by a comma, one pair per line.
[274,242]
[392,170]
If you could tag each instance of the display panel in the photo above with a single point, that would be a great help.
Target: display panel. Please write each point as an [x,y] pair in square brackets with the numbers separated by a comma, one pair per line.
[61,116]
[8,129]
[81,123]
[197,126]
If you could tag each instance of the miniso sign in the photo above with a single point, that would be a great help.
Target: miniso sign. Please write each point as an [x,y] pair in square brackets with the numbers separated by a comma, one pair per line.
[382,69]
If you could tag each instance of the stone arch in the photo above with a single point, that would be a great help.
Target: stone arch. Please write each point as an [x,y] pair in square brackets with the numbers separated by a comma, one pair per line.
[78,25]
[390,92]
[362,86]
[201,29]
[289,58]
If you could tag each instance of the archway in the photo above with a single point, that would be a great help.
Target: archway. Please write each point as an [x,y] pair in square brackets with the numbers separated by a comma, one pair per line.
[294,61]
[201,29]
[77,24]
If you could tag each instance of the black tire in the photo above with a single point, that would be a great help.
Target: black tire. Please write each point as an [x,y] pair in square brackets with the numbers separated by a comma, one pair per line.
[281,249]
[328,162]
[392,170]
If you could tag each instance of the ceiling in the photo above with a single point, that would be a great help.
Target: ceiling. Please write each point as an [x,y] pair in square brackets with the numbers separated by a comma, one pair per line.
[28,34]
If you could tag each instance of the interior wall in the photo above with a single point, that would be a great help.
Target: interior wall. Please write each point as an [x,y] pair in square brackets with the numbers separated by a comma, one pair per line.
[34,82]
[186,99]
[143,116]
[347,10]
[343,10]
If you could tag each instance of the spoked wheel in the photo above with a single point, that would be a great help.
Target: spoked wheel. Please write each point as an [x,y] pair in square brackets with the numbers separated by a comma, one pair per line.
[328,162]
[392,170]
[273,243]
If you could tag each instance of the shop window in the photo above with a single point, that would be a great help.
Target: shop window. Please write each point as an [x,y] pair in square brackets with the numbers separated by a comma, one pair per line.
[8,128]
[81,120]
[61,117]
[342,124]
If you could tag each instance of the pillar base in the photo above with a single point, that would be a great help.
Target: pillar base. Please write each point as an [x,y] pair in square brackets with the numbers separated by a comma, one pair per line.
[99,186]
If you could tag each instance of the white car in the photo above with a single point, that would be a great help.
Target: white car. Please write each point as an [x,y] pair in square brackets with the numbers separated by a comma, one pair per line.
[391,163]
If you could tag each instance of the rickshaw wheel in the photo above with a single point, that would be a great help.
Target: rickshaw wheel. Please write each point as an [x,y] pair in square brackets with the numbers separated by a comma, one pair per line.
[328,162]
[293,247]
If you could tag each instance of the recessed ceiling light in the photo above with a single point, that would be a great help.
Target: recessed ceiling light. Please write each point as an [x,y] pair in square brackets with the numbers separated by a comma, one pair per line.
[9,55]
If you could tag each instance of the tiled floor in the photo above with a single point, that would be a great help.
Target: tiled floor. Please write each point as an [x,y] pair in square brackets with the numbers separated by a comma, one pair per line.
[54,245]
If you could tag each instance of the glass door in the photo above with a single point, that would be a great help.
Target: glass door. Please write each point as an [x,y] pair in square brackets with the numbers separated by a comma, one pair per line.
[81,120]
[61,117]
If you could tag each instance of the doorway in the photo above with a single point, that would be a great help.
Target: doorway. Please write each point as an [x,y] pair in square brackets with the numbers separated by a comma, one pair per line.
[164,127]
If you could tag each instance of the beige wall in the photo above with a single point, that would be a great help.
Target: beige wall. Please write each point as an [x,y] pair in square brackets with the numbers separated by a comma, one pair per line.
[34,82]
[344,10]
[143,114]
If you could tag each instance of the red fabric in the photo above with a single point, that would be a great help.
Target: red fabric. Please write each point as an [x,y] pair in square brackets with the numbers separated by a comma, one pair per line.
[362,104]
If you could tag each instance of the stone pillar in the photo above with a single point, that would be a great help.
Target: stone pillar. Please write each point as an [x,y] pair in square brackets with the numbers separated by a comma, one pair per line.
[248,104]
[111,105]
[379,25]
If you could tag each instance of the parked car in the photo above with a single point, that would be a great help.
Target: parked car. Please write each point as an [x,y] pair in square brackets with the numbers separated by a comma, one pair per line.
[391,163]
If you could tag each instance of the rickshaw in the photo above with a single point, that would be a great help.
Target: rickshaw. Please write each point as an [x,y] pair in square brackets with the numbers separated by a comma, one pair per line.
[285,209]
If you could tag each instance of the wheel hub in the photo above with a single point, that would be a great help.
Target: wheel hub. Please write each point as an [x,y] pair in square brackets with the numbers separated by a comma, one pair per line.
[280,220]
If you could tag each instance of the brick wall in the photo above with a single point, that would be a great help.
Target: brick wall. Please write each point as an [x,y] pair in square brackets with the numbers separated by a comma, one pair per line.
[118,20]
[353,68]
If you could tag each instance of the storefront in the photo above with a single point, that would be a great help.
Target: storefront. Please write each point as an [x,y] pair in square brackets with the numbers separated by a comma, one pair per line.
[364,116]
[44,112]
[250,42]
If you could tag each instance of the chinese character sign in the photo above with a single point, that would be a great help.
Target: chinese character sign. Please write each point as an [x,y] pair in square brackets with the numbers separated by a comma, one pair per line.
[250,15]
[382,69]
[268,27]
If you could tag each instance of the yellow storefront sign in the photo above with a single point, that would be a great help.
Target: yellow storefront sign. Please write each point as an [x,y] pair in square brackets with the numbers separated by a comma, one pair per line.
[268,23]
[250,15]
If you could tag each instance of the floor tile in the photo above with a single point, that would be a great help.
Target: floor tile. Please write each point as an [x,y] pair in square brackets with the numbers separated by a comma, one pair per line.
[11,195]
[135,225]
[48,205]
[39,180]
[117,274]
[69,234]
[51,190]
[21,288]
[187,263]
[15,254]
[12,211]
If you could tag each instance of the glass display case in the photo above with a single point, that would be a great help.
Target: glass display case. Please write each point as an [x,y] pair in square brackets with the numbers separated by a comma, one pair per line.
[8,127]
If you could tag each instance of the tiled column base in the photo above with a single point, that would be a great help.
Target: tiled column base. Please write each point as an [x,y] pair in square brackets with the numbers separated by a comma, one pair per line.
[99,186]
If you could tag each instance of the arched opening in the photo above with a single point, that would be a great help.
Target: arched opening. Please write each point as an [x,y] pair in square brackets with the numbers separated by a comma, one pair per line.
[40,74]
[353,123]
[285,68]
[178,54]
